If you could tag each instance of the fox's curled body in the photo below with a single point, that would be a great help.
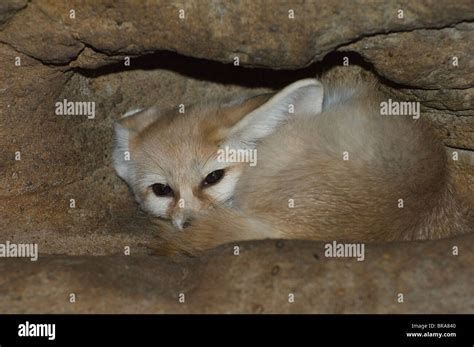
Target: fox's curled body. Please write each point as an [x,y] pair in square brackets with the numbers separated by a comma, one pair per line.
[336,169]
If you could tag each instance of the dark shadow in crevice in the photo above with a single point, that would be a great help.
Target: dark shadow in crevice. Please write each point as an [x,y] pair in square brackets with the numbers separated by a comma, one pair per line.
[207,70]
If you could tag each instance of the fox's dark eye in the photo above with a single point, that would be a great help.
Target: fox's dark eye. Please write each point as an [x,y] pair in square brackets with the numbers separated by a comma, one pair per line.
[213,177]
[162,189]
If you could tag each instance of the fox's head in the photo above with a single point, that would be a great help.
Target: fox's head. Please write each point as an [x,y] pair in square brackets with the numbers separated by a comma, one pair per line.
[172,161]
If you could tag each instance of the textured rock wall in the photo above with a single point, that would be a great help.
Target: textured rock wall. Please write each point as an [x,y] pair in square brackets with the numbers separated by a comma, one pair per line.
[259,280]
[424,54]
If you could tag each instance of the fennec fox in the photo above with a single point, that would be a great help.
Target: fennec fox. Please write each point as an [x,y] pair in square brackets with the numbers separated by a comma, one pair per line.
[329,167]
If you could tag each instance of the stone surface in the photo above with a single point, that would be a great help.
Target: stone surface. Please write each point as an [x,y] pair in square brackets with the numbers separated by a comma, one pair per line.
[259,280]
[429,59]
[68,157]
[259,32]
[9,8]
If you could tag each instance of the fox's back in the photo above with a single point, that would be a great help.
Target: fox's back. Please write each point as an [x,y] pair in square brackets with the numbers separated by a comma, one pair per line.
[349,173]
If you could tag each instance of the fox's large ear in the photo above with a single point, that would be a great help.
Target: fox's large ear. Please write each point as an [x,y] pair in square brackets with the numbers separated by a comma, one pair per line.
[137,120]
[129,125]
[304,97]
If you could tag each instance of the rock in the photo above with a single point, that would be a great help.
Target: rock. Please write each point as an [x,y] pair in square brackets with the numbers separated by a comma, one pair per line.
[8,8]
[26,101]
[428,59]
[34,33]
[446,101]
[221,30]
[220,282]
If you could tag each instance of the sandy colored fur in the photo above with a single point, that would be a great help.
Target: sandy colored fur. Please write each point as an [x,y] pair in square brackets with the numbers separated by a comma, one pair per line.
[301,164]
